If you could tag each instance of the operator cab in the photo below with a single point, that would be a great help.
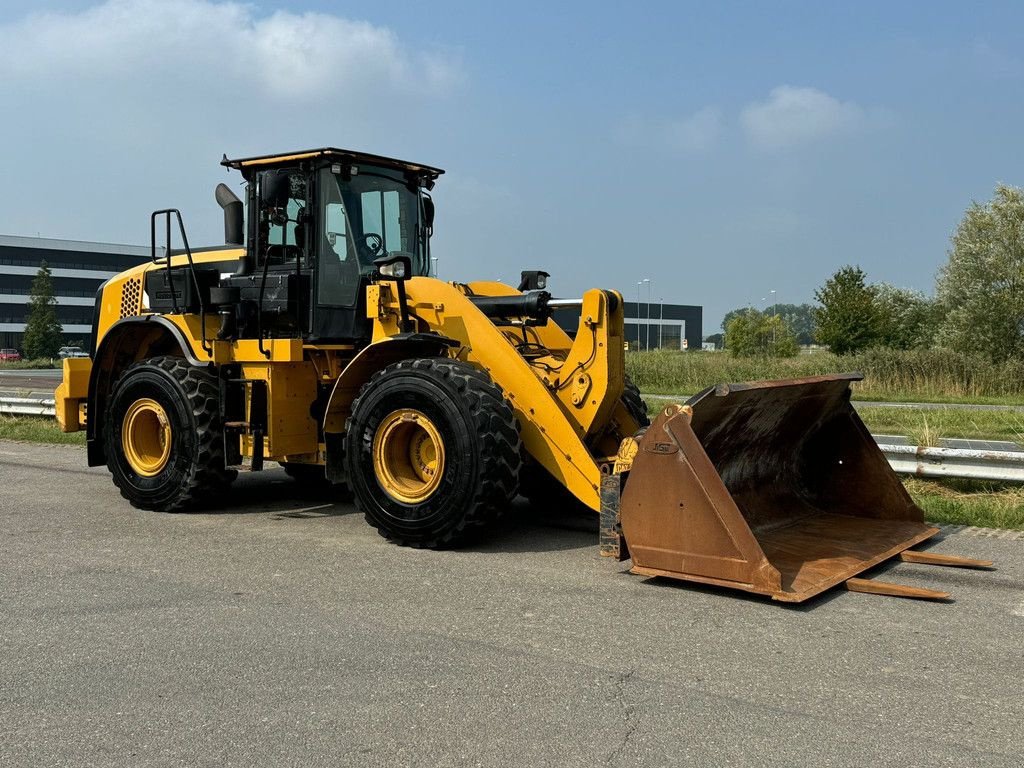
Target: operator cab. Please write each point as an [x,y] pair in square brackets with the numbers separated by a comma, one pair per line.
[318,220]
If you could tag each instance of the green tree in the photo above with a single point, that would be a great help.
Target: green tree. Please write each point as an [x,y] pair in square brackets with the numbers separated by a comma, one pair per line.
[732,314]
[981,287]
[42,329]
[751,334]
[799,318]
[848,319]
[907,319]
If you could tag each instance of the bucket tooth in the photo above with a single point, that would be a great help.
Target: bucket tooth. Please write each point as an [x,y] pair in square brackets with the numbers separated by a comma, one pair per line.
[773,487]
[872,587]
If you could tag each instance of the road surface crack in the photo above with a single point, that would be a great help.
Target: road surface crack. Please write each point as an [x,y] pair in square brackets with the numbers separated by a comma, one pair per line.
[630,719]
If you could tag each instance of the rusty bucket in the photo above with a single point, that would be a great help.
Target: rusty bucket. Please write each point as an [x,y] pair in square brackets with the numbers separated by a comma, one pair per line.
[771,487]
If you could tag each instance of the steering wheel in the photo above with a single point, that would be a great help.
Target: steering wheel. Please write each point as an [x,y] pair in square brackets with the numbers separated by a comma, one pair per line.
[373,244]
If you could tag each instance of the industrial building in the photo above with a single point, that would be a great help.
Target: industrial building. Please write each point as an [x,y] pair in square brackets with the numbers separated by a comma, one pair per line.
[78,270]
[653,326]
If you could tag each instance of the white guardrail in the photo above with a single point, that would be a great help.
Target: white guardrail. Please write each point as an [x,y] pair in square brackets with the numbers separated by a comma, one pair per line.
[956,462]
[26,406]
[1006,466]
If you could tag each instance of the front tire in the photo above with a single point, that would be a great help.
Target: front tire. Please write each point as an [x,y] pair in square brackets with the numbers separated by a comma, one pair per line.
[635,404]
[163,437]
[432,451]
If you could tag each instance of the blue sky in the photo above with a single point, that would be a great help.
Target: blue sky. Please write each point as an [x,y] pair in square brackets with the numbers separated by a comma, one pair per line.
[721,150]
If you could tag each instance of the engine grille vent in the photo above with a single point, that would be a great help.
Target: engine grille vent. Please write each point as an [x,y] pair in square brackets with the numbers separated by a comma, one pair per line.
[131,297]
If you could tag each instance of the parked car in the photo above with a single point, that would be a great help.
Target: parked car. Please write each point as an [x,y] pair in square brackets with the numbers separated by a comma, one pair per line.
[72,352]
[9,356]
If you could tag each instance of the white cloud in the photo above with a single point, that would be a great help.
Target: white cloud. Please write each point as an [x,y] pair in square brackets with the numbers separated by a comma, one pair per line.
[127,105]
[792,115]
[219,44]
[693,133]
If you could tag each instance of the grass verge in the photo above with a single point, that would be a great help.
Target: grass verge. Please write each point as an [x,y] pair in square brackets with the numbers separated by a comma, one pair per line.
[927,427]
[902,376]
[33,429]
[969,502]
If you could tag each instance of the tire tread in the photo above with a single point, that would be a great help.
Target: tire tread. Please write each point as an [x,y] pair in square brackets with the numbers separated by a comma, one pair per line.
[501,446]
[207,474]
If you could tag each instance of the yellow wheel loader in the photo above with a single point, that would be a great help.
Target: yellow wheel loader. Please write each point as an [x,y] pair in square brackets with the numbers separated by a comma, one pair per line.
[316,337]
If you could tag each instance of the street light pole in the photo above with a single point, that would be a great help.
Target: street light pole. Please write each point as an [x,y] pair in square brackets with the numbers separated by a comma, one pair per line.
[648,324]
[774,307]
[637,324]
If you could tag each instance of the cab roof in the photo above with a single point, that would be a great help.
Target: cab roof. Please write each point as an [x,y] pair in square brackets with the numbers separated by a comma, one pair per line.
[332,153]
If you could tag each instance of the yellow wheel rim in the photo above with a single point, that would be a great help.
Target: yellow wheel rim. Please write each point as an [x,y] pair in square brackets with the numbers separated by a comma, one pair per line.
[146,437]
[408,456]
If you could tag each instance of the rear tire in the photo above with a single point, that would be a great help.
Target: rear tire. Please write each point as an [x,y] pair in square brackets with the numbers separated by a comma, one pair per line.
[432,451]
[163,437]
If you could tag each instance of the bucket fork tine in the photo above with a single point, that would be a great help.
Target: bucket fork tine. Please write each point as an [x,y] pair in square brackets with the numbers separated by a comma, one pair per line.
[872,587]
[933,558]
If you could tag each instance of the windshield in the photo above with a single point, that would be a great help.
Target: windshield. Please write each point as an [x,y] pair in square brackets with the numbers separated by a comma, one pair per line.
[365,217]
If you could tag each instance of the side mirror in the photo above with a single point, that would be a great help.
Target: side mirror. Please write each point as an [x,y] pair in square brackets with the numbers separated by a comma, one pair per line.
[275,188]
[428,213]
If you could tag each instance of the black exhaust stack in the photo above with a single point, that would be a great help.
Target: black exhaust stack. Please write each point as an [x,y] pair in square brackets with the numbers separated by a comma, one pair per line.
[233,218]
[233,225]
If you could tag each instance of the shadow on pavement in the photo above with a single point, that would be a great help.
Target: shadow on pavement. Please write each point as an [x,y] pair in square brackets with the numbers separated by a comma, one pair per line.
[525,528]
[273,492]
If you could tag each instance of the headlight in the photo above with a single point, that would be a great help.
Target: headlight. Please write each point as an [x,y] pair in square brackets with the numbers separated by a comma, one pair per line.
[533,280]
[395,270]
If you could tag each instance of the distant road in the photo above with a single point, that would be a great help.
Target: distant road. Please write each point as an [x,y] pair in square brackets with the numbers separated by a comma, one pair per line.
[36,382]
[49,373]
[874,404]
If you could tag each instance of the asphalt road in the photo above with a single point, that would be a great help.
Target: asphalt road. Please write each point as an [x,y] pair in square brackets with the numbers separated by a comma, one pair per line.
[281,630]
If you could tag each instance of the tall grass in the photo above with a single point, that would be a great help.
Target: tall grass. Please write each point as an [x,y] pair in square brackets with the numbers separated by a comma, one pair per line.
[928,427]
[929,374]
